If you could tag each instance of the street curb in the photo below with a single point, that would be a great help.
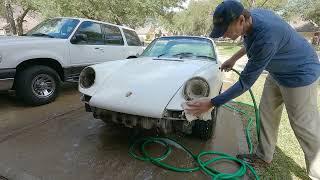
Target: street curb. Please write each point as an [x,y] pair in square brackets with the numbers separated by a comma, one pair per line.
[13,174]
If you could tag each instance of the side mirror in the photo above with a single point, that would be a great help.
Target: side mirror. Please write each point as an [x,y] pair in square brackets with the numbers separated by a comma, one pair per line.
[78,38]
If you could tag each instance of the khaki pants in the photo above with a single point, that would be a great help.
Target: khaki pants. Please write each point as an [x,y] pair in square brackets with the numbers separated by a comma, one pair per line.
[301,105]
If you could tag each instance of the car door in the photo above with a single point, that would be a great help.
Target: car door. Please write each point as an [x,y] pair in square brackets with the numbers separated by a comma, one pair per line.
[89,49]
[114,48]
[134,47]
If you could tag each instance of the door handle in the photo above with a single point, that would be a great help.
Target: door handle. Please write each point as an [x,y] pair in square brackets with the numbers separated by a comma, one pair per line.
[100,49]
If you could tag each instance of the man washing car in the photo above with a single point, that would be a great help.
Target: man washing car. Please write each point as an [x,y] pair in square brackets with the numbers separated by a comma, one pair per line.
[294,70]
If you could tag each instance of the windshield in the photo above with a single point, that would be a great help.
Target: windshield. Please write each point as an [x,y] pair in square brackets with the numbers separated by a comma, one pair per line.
[181,47]
[54,28]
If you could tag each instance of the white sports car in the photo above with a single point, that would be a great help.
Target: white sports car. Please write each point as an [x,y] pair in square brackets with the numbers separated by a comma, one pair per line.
[147,92]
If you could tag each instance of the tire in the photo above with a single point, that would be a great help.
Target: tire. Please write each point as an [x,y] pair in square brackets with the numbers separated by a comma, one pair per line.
[37,85]
[205,129]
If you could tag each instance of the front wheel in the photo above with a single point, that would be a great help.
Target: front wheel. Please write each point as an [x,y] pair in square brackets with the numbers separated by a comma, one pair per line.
[37,85]
[205,129]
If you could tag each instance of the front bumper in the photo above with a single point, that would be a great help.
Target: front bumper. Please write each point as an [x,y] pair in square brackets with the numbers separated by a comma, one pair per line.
[172,120]
[165,125]
[7,79]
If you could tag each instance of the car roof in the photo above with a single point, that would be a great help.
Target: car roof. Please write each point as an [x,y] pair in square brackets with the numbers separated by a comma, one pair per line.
[85,19]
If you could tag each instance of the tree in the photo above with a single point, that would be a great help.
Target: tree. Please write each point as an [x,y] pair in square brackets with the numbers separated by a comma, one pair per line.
[123,12]
[307,9]
[314,13]
[26,6]
[9,16]
[197,18]
[16,24]
[274,5]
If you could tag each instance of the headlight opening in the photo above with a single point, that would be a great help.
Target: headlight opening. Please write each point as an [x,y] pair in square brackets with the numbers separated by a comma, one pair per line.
[196,88]
[87,77]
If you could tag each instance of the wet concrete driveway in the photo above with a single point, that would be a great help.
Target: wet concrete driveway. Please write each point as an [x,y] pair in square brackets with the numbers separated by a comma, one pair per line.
[61,141]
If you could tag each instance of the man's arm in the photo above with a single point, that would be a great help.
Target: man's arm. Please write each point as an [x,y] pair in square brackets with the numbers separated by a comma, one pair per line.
[239,54]
[227,65]
[255,66]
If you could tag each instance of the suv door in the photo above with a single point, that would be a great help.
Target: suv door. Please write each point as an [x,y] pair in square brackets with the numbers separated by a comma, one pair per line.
[134,44]
[87,44]
[114,48]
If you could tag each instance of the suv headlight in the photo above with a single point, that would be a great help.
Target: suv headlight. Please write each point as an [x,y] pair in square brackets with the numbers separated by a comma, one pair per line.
[87,77]
[195,88]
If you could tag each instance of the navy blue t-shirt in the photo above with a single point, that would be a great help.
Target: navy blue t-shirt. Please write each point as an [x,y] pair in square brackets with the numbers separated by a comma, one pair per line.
[273,45]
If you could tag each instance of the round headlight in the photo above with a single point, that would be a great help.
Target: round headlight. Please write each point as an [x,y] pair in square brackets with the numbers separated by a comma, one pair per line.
[87,77]
[195,88]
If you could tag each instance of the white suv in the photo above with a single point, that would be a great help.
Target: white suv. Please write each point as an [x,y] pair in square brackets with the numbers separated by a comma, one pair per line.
[34,65]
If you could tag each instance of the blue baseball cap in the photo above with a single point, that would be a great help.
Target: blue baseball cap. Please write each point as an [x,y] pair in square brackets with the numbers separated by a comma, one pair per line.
[224,14]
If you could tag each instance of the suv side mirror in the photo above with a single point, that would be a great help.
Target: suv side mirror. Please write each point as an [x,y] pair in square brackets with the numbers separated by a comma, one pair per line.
[79,37]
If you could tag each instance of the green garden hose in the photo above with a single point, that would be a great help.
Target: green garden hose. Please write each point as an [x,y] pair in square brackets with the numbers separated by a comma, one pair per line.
[256,110]
[202,165]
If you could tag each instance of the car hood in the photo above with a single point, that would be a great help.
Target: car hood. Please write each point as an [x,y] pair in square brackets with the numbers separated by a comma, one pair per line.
[25,39]
[145,86]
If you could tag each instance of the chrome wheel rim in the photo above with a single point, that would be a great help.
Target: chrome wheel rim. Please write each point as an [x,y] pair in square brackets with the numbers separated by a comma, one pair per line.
[43,85]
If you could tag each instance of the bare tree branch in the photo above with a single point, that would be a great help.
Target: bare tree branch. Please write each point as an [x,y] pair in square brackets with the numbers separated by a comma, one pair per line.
[9,16]
[25,12]
[96,8]
[115,17]
[86,14]
[20,20]
[264,3]
[249,3]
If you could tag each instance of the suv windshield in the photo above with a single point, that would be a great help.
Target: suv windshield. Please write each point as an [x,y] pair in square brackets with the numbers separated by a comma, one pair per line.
[181,47]
[54,28]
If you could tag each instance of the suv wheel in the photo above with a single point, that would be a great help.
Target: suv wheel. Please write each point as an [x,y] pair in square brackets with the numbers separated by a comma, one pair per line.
[37,85]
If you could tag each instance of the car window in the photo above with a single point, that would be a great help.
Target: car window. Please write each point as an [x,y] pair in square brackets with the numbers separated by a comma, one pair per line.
[183,47]
[155,48]
[201,49]
[56,28]
[92,31]
[113,35]
[132,38]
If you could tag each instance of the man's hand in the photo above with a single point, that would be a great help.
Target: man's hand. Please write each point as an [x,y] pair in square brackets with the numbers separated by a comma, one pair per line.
[199,106]
[227,65]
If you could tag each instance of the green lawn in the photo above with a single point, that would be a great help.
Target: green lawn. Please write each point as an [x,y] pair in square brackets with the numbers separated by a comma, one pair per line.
[227,49]
[288,162]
